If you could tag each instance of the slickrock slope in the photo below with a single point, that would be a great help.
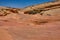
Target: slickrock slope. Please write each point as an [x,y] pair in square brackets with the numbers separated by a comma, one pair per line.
[38,22]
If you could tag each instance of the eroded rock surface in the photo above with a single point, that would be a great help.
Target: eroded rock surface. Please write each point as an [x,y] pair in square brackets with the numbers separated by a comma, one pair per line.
[24,24]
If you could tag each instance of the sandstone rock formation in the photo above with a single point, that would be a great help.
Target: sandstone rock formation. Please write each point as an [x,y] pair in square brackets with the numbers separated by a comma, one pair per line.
[37,22]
